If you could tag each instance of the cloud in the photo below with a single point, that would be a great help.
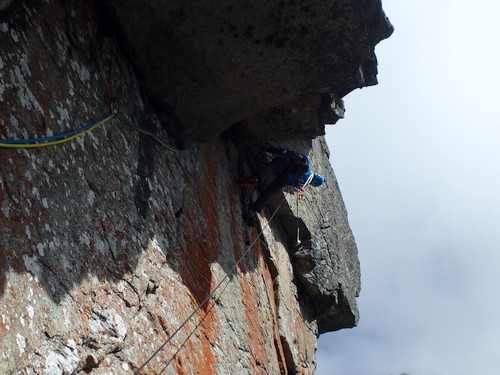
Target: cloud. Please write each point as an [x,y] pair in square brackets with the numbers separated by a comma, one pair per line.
[417,162]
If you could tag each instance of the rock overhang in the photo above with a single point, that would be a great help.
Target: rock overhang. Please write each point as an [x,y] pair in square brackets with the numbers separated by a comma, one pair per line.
[131,190]
[209,65]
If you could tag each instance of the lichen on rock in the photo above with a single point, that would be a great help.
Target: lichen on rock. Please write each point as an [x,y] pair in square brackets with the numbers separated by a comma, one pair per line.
[111,243]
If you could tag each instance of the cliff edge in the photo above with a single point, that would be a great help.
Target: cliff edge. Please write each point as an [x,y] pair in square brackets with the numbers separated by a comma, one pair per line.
[123,124]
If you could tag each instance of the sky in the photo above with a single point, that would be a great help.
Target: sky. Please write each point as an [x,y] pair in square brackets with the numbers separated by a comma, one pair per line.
[417,158]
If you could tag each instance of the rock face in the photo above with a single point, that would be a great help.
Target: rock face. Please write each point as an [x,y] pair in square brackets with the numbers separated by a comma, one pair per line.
[119,255]
[215,63]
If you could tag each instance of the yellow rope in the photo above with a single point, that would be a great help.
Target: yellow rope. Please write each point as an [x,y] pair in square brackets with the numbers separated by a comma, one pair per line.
[58,141]
[45,143]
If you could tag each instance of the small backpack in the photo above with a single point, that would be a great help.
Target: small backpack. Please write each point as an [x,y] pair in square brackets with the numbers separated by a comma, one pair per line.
[297,166]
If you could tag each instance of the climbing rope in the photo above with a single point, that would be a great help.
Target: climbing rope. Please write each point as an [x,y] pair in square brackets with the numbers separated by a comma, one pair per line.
[193,331]
[209,296]
[297,242]
[68,136]
[55,139]
[148,133]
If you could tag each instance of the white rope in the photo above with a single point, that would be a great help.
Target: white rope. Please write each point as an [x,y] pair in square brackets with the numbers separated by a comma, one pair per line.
[209,296]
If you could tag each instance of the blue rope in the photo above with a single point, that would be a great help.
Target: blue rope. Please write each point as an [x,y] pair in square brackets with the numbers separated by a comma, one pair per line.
[59,136]
[67,136]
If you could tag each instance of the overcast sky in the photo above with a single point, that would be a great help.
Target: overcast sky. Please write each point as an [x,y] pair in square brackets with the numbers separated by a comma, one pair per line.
[418,163]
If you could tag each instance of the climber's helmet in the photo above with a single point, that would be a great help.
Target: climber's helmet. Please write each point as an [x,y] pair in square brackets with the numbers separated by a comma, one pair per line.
[317,180]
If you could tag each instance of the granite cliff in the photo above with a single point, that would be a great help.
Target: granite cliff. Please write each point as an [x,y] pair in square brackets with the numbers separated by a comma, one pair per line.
[124,251]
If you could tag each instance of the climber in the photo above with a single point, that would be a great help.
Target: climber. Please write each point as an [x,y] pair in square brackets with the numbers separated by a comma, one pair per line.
[287,168]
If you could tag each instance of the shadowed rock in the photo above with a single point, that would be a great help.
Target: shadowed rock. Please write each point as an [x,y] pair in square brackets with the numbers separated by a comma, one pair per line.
[212,64]
[108,242]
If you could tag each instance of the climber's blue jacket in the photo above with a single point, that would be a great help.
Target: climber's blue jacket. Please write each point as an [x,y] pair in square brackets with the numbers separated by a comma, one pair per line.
[296,166]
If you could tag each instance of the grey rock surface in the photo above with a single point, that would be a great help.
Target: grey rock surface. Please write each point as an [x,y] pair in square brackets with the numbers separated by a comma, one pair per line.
[326,262]
[5,3]
[213,64]
[110,242]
